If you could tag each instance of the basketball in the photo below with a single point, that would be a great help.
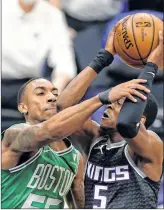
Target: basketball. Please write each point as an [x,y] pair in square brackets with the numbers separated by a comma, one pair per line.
[136,37]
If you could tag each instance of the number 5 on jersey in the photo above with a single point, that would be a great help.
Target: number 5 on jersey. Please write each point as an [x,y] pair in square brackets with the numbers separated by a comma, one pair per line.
[99,189]
[39,200]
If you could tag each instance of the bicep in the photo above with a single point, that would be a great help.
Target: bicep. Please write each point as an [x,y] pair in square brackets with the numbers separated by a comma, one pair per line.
[146,144]
[82,139]
[91,128]
[9,157]
[12,133]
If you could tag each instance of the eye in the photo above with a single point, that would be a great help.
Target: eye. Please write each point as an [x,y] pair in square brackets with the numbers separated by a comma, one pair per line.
[41,93]
[55,94]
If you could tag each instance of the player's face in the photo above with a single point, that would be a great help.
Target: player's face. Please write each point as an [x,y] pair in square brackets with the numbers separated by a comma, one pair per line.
[40,99]
[110,116]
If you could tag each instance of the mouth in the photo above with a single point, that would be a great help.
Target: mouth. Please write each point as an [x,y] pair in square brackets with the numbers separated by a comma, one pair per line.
[52,108]
[105,116]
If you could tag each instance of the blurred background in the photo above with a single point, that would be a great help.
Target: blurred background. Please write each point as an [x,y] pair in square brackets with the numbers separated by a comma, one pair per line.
[56,39]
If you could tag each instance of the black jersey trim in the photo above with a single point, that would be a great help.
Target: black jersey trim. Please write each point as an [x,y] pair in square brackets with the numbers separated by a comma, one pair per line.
[132,163]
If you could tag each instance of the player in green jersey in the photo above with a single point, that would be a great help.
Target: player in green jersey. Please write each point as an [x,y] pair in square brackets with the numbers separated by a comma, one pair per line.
[39,164]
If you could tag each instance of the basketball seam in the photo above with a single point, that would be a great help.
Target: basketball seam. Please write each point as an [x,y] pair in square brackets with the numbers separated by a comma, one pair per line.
[152,39]
[136,59]
[153,36]
[136,64]
[135,41]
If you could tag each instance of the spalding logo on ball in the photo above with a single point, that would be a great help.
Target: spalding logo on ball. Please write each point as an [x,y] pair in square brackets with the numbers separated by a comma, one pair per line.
[137,37]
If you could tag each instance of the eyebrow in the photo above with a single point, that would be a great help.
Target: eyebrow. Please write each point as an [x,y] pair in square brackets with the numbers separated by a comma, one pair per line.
[43,88]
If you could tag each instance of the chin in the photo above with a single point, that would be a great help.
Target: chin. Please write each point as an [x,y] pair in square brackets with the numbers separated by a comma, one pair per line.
[51,112]
[106,125]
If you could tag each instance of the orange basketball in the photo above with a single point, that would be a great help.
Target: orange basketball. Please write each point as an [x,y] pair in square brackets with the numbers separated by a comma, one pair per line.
[136,37]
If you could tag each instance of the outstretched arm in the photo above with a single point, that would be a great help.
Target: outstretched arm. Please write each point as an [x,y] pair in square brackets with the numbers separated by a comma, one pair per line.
[56,128]
[20,139]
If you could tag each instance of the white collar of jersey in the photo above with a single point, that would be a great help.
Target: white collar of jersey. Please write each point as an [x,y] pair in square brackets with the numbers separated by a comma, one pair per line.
[116,144]
[108,143]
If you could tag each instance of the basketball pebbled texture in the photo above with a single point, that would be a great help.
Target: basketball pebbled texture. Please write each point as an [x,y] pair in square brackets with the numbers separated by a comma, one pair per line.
[137,37]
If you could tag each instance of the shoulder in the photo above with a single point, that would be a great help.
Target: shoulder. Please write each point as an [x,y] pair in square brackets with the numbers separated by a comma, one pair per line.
[154,137]
[12,132]
[157,144]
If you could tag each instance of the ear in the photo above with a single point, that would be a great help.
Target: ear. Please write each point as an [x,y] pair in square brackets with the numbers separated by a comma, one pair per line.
[143,119]
[23,108]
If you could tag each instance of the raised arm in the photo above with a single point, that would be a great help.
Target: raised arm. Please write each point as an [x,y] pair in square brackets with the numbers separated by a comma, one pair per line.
[76,89]
[144,143]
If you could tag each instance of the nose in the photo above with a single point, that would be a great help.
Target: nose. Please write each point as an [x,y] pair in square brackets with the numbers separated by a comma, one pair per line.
[110,106]
[51,98]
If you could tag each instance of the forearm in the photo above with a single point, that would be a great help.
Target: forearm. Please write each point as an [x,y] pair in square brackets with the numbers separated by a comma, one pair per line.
[78,86]
[79,197]
[131,113]
[56,128]
[75,116]
[76,89]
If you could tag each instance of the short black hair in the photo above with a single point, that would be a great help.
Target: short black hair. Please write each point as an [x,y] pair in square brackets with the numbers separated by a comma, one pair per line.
[23,88]
[151,110]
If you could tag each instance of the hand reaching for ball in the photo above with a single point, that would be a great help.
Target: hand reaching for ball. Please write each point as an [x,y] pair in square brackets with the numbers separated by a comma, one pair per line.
[110,41]
[157,55]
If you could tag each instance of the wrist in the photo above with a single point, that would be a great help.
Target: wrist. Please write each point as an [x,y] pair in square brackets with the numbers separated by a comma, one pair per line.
[104,97]
[104,58]
[110,51]
[149,63]
[150,66]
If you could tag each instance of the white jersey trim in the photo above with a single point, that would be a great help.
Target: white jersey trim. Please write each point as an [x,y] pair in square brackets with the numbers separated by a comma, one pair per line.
[109,147]
[132,163]
[25,164]
[62,152]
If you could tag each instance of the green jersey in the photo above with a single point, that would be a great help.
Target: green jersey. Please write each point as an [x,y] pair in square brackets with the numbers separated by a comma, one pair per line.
[42,181]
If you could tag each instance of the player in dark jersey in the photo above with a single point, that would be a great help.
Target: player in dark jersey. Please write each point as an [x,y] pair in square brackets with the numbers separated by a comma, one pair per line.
[124,165]
[124,173]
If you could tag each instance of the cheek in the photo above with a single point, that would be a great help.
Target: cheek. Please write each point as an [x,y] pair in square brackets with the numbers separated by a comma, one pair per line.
[36,107]
[116,115]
